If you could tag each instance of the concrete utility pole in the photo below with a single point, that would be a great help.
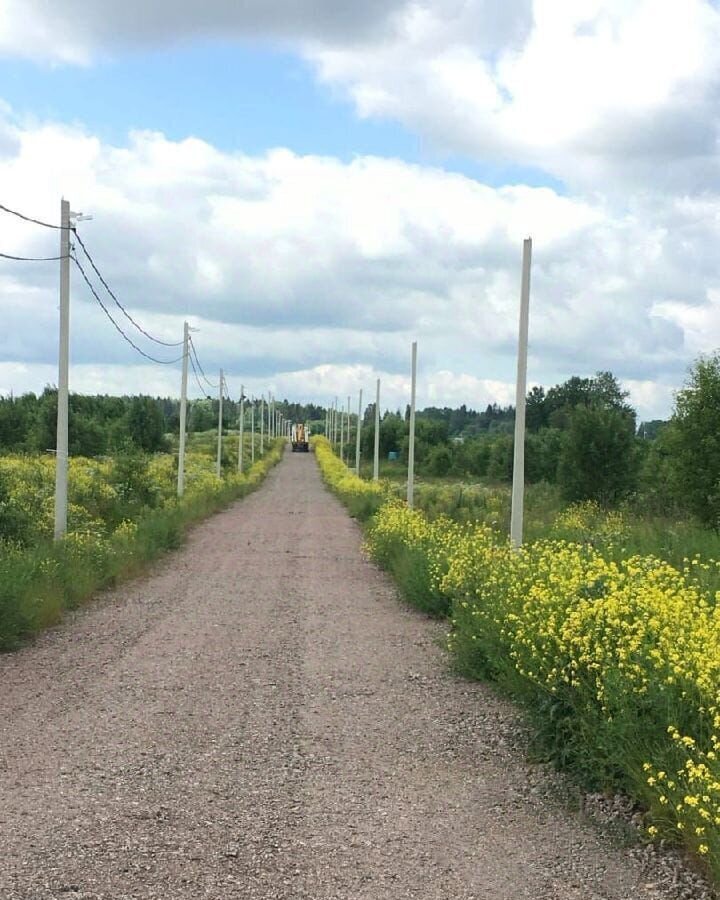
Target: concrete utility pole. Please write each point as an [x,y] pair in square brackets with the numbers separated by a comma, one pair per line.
[518,485]
[411,442]
[347,430]
[262,424]
[218,467]
[342,432]
[376,454]
[183,413]
[357,435]
[336,421]
[326,421]
[61,445]
[241,434]
[252,433]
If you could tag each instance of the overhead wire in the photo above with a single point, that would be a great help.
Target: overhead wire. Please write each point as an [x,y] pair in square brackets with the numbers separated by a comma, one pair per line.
[119,304]
[14,212]
[197,368]
[162,362]
[32,258]
[211,384]
[203,390]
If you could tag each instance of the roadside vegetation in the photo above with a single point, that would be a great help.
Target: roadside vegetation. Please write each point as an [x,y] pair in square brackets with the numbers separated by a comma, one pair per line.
[123,512]
[605,624]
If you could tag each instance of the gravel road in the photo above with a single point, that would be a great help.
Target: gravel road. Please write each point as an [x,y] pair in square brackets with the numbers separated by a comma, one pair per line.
[259,717]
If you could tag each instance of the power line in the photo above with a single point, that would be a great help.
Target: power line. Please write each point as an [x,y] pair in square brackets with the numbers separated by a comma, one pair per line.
[194,353]
[32,258]
[20,215]
[119,304]
[203,390]
[162,362]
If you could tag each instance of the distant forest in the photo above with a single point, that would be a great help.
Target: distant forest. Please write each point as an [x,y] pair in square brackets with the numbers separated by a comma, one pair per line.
[102,424]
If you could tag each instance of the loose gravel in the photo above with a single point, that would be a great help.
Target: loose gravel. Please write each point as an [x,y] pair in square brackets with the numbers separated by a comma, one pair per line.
[259,717]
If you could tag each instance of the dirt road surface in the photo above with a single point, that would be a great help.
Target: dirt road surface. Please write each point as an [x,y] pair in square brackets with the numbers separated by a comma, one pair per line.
[259,717]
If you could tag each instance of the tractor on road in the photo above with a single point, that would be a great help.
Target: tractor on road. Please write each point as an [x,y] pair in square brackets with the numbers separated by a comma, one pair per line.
[299,438]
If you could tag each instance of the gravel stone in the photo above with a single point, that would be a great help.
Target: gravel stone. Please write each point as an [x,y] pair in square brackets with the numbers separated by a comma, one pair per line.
[259,717]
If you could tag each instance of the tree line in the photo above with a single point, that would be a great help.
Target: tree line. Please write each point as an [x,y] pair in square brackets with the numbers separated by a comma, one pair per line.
[101,424]
[583,436]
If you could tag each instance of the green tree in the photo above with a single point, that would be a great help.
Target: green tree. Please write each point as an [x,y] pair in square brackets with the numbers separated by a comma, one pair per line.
[542,455]
[536,413]
[500,461]
[601,391]
[694,441]
[598,460]
[146,424]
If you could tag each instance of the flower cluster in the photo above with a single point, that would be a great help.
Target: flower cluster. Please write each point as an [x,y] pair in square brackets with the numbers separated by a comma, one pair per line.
[361,497]
[121,513]
[620,658]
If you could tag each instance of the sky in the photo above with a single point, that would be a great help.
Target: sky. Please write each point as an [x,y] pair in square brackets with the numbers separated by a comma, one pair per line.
[315,184]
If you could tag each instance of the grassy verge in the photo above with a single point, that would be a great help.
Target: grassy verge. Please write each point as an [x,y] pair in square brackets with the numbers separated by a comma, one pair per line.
[38,583]
[617,660]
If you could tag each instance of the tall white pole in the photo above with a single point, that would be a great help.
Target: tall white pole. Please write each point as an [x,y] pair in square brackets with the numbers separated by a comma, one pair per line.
[376,453]
[252,433]
[347,430]
[411,442]
[262,424]
[326,421]
[242,428]
[183,414]
[357,436]
[218,467]
[518,485]
[342,432]
[61,445]
[336,420]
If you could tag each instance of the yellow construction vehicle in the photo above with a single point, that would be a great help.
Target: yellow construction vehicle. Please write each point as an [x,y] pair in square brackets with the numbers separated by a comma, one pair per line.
[299,438]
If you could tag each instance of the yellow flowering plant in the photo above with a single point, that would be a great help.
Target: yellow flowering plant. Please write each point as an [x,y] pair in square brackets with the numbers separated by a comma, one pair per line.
[617,659]
[122,512]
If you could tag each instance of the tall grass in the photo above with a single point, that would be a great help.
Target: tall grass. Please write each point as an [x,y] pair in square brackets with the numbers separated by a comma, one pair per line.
[614,654]
[37,583]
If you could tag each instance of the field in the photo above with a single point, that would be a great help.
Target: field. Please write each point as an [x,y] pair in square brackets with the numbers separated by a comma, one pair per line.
[602,625]
[122,512]
[624,531]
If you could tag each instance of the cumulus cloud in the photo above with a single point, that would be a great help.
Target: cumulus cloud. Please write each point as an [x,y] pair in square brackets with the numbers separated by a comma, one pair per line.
[80,30]
[593,91]
[614,93]
[307,271]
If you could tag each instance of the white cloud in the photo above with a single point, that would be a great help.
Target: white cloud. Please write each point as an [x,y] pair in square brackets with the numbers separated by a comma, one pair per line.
[290,264]
[593,91]
[651,399]
[611,93]
[79,30]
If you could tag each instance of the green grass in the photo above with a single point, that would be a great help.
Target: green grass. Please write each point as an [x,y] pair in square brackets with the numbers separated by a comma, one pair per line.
[672,539]
[38,583]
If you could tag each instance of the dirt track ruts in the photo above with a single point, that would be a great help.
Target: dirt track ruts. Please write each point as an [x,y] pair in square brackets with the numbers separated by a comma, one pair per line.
[259,717]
